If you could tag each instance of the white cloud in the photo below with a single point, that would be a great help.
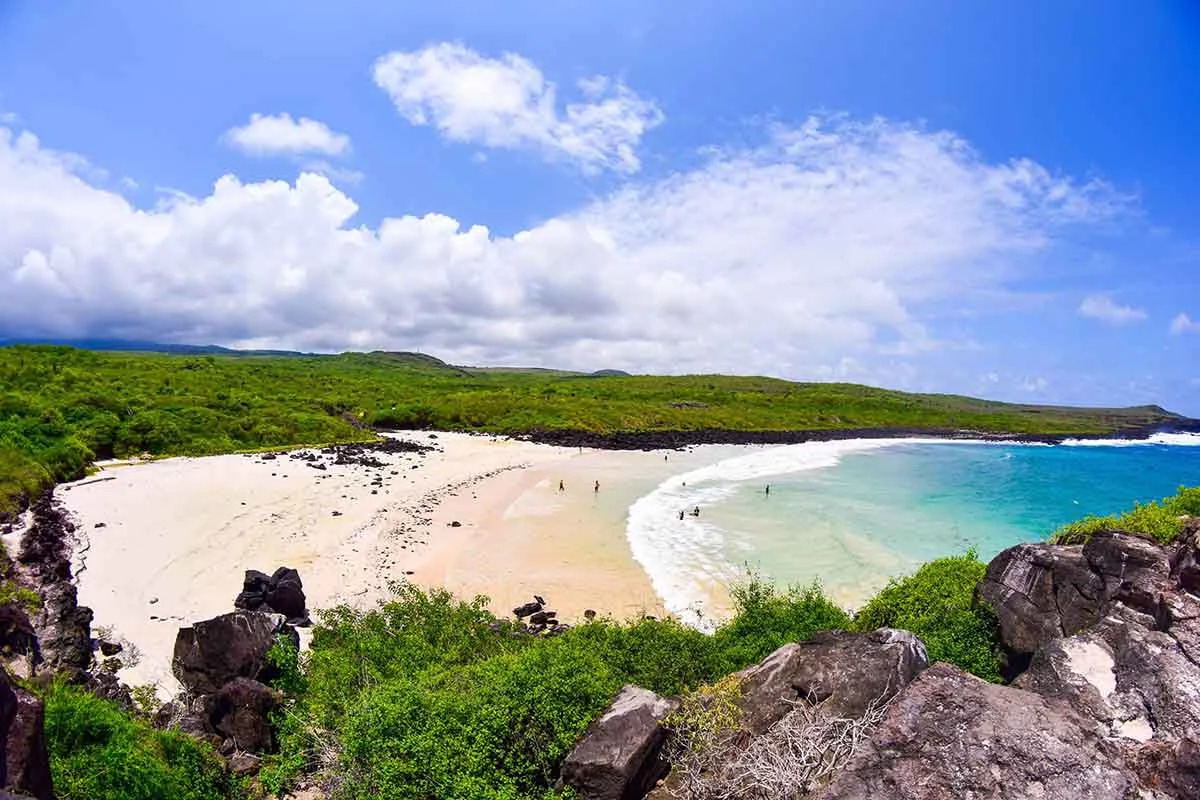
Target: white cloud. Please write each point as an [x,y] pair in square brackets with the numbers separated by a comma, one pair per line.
[816,254]
[1034,385]
[507,103]
[1105,309]
[1182,323]
[279,134]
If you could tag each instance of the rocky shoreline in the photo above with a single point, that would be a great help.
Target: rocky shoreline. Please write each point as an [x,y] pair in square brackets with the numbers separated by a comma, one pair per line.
[1101,700]
[681,439]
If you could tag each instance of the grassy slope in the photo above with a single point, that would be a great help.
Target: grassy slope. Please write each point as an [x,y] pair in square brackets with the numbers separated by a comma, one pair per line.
[59,406]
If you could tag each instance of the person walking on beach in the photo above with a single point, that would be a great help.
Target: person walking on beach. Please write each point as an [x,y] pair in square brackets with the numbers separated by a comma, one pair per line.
[561,488]
[596,488]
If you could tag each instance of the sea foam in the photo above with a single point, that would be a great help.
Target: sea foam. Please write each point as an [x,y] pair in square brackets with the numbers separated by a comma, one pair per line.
[1174,439]
[685,557]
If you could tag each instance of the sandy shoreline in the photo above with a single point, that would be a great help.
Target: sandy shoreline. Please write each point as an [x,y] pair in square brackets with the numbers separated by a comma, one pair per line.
[165,543]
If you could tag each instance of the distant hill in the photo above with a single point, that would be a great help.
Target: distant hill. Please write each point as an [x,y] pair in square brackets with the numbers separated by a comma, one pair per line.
[135,346]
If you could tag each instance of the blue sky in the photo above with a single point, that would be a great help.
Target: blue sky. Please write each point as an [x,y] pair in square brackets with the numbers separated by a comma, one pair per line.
[990,198]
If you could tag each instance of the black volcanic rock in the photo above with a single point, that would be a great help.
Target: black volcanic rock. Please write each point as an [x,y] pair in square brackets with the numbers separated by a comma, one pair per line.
[212,652]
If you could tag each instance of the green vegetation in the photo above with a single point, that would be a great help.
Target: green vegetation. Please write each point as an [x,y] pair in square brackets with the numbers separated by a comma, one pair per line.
[61,407]
[937,604]
[1162,519]
[97,752]
[428,696]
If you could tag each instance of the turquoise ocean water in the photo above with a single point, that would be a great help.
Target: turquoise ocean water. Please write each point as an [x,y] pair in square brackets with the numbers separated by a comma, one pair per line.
[852,514]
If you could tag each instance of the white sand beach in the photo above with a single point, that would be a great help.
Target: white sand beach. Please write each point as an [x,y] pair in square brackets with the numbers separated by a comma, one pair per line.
[165,543]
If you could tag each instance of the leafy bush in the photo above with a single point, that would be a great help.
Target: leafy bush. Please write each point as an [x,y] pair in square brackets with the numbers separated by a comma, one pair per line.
[98,753]
[496,729]
[661,655]
[1159,519]
[766,619]
[937,604]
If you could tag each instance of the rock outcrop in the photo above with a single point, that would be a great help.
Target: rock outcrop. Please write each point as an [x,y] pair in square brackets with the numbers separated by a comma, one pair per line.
[1042,592]
[211,653]
[282,592]
[950,735]
[24,763]
[223,665]
[619,757]
[62,626]
[240,713]
[845,672]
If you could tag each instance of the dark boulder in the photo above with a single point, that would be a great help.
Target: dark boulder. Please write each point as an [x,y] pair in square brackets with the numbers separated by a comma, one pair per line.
[1135,569]
[213,652]
[24,763]
[618,757]
[520,612]
[847,672]
[241,710]
[282,592]
[288,599]
[1039,591]
[541,618]
[950,735]
[108,648]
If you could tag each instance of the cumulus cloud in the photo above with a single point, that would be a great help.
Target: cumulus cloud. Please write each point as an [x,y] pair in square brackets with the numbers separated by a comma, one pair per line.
[816,254]
[279,134]
[1105,309]
[1182,323]
[506,102]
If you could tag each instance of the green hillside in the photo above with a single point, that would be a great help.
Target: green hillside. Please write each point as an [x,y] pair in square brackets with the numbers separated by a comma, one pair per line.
[61,407]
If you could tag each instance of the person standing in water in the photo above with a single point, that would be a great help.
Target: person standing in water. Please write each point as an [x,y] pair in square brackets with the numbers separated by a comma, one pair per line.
[767,491]
[596,488]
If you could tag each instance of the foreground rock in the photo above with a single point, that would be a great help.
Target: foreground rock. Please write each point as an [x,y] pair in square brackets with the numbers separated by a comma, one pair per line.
[845,672]
[24,764]
[211,653]
[222,663]
[241,711]
[620,755]
[1042,592]
[800,711]
[950,735]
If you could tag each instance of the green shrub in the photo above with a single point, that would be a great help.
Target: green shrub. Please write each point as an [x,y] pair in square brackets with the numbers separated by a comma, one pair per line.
[661,655]
[937,604]
[765,620]
[97,752]
[1159,519]
[496,729]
